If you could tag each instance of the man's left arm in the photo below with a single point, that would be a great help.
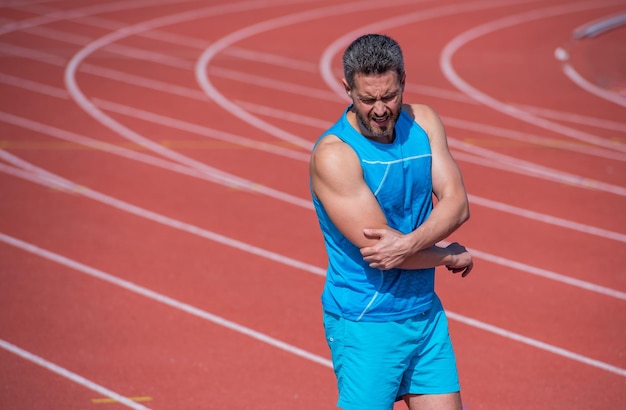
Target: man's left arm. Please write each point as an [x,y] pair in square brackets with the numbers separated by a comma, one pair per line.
[449,213]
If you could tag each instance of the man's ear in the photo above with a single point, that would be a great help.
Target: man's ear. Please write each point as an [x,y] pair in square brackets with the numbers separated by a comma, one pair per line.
[402,81]
[346,86]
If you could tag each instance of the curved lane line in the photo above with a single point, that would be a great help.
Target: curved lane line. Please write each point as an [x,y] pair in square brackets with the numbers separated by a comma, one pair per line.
[337,46]
[59,182]
[600,26]
[83,12]
[489,28]
[534,169]
[80,98]
[228,180]
[223,43]
[559,351]
[253,187]
[527,168]
[538,170]
[591,88]
[41,176]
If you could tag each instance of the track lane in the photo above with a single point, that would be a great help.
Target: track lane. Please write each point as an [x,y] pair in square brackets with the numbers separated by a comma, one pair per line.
[307,232]
[134,344]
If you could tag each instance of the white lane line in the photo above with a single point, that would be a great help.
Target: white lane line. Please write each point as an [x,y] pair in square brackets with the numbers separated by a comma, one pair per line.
[291,88]
[578,179]
[253,55]
[81,12]
[38,175]
[537,344]
[548,173]
[538,140]
[202,130]
[514,111]
[282,61]
[78,379]
[221,178]
[227,41]
[599,26]
[451,121]
[58,182]
[264,338]
[288,87]
[575,118]
[308,92]
[591,88]
[546,274]
[250,186]
[212,133]
[590,30]
[166,300]
[135,29]
[547,219]
[525,167]
[185,42]
[337,46]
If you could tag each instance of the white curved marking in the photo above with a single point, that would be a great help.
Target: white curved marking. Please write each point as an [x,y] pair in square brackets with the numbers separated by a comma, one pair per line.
[488,28]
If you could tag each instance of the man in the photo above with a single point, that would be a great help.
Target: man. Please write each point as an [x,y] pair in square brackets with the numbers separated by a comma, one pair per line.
[373,175]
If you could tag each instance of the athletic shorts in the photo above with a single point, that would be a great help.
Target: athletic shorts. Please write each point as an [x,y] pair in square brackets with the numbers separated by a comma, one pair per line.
[376,363]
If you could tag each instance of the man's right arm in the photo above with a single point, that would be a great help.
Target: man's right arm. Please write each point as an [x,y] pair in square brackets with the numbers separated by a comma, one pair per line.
[337,182]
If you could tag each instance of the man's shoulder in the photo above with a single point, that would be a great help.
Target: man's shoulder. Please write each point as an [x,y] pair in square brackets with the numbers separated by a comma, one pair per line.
[329,141]
[418,111]
[331,146]
[426,117]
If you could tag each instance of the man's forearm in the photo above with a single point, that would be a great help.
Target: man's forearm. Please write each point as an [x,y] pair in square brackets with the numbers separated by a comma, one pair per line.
[455,257]
[447,216]
[393,247]
[428,258]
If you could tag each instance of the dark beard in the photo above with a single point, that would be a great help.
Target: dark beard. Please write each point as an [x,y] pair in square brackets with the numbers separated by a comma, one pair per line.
[378,133]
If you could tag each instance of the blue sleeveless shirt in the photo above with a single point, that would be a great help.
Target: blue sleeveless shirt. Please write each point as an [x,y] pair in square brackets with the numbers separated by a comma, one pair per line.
[399,175]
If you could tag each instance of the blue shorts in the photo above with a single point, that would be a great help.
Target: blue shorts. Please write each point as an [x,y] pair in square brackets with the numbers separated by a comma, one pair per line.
[376,363]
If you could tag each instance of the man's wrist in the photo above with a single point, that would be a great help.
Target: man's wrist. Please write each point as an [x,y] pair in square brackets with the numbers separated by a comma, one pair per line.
[415,244]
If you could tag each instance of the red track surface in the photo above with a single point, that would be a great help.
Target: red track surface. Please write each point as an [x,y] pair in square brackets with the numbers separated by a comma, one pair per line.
[186,274]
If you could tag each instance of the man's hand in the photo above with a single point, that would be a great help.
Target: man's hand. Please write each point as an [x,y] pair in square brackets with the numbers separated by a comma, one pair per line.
[391,250]
[461,259]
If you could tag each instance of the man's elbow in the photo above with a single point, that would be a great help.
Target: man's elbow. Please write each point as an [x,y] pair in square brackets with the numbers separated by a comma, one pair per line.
[464,217]
[464,212]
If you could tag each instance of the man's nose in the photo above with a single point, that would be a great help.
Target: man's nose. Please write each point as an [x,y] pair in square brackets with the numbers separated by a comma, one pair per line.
[379,108]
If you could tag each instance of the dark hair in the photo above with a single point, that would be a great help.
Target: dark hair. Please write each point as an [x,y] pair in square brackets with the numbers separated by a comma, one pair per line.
[372,54]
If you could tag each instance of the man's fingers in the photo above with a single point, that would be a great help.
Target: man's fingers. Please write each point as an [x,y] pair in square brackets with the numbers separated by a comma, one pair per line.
[467,270]
[372,233]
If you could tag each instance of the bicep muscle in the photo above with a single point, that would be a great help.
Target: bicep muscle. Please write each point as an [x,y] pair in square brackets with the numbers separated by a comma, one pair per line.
[337,181]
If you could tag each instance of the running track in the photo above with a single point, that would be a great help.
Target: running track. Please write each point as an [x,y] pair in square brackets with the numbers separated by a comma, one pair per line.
[158,248]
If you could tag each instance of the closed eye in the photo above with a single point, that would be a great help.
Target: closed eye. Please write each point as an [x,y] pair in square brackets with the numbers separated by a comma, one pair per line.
[386,99]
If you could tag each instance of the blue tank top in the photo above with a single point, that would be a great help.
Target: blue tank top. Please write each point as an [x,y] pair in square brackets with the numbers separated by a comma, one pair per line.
[399,175]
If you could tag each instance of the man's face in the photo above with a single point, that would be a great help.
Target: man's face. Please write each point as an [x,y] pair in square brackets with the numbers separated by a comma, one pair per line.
[377,103]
